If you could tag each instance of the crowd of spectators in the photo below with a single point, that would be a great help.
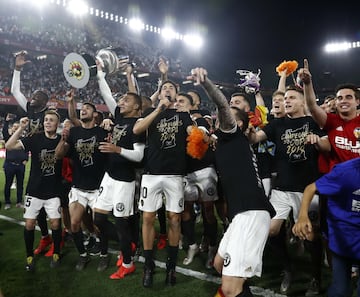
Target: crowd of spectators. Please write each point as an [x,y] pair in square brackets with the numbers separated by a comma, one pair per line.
[52,39]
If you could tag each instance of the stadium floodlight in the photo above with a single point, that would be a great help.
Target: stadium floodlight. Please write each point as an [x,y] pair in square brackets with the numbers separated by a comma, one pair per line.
[194,41]
[136,24]
[336,47]
[168,33]
[77,7]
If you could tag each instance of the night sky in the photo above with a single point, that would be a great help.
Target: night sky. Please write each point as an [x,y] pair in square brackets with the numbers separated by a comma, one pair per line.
[261,34]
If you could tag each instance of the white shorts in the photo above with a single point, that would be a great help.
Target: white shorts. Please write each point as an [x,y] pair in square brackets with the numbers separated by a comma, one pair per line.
[84,197]
[284,201]
[33,205]
[201,185]
[156,187]
[116,196]
[243,244]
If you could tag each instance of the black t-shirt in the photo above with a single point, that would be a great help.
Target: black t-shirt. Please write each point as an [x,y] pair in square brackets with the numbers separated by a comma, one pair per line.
[237,169]
[118,167]
[166,151]
[296,161]
[45,172]
[88,161]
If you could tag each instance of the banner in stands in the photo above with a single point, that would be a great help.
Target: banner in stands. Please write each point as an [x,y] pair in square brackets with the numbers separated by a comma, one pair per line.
[10,100]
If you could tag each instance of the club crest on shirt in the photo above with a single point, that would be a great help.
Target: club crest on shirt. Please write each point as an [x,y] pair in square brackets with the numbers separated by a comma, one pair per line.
[120,207]
[227,260]
[357,133]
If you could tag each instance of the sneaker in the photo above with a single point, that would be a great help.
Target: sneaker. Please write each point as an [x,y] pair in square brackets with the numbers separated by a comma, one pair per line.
[30,264]
[192,251]
[134,251]
[55,261]
[120,260]
[204,245]
[314,288]
[13,186]
[95,250]
[7,206]
[170,277]
[122,271]
[103,263]
[210,257]
[50,252]
[82,262]
[43,244]
[19,205]
[286,281]
[148,276]
[161,244]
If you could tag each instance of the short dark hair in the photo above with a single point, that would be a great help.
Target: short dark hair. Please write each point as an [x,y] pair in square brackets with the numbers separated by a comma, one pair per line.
[42,94]
[187,96]
[90,104]
[170,82]
[244,95]
[349,86]
[195,92]
[137,99]
[295,88]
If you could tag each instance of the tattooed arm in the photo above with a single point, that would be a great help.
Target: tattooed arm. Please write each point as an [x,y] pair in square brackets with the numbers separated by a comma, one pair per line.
[226,119]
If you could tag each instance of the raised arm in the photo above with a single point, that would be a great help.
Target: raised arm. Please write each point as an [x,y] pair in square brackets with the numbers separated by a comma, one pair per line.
[226,120]
[131,80]
[143,124]
[282,81]
[20,61]
[14,143]
[105,91]
[72,109]
[163,68]
[318,114]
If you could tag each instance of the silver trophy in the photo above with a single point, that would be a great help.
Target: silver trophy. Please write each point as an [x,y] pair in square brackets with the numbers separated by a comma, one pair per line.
[79,68]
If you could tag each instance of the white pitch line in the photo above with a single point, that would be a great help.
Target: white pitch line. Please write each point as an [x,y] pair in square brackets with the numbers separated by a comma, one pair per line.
[258,291]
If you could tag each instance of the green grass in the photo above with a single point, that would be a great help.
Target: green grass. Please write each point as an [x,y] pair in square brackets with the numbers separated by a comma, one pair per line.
[65,281]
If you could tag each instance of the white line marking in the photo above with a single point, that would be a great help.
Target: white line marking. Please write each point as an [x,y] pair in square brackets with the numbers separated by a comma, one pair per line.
[188,272]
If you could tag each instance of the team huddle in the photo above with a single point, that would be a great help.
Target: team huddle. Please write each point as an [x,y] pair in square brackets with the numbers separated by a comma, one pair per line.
[254,170]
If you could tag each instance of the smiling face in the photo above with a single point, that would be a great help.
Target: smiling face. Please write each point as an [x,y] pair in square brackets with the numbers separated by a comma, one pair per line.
[183,103]
[87,113]
[39,99]
[346,102]
[51,122]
